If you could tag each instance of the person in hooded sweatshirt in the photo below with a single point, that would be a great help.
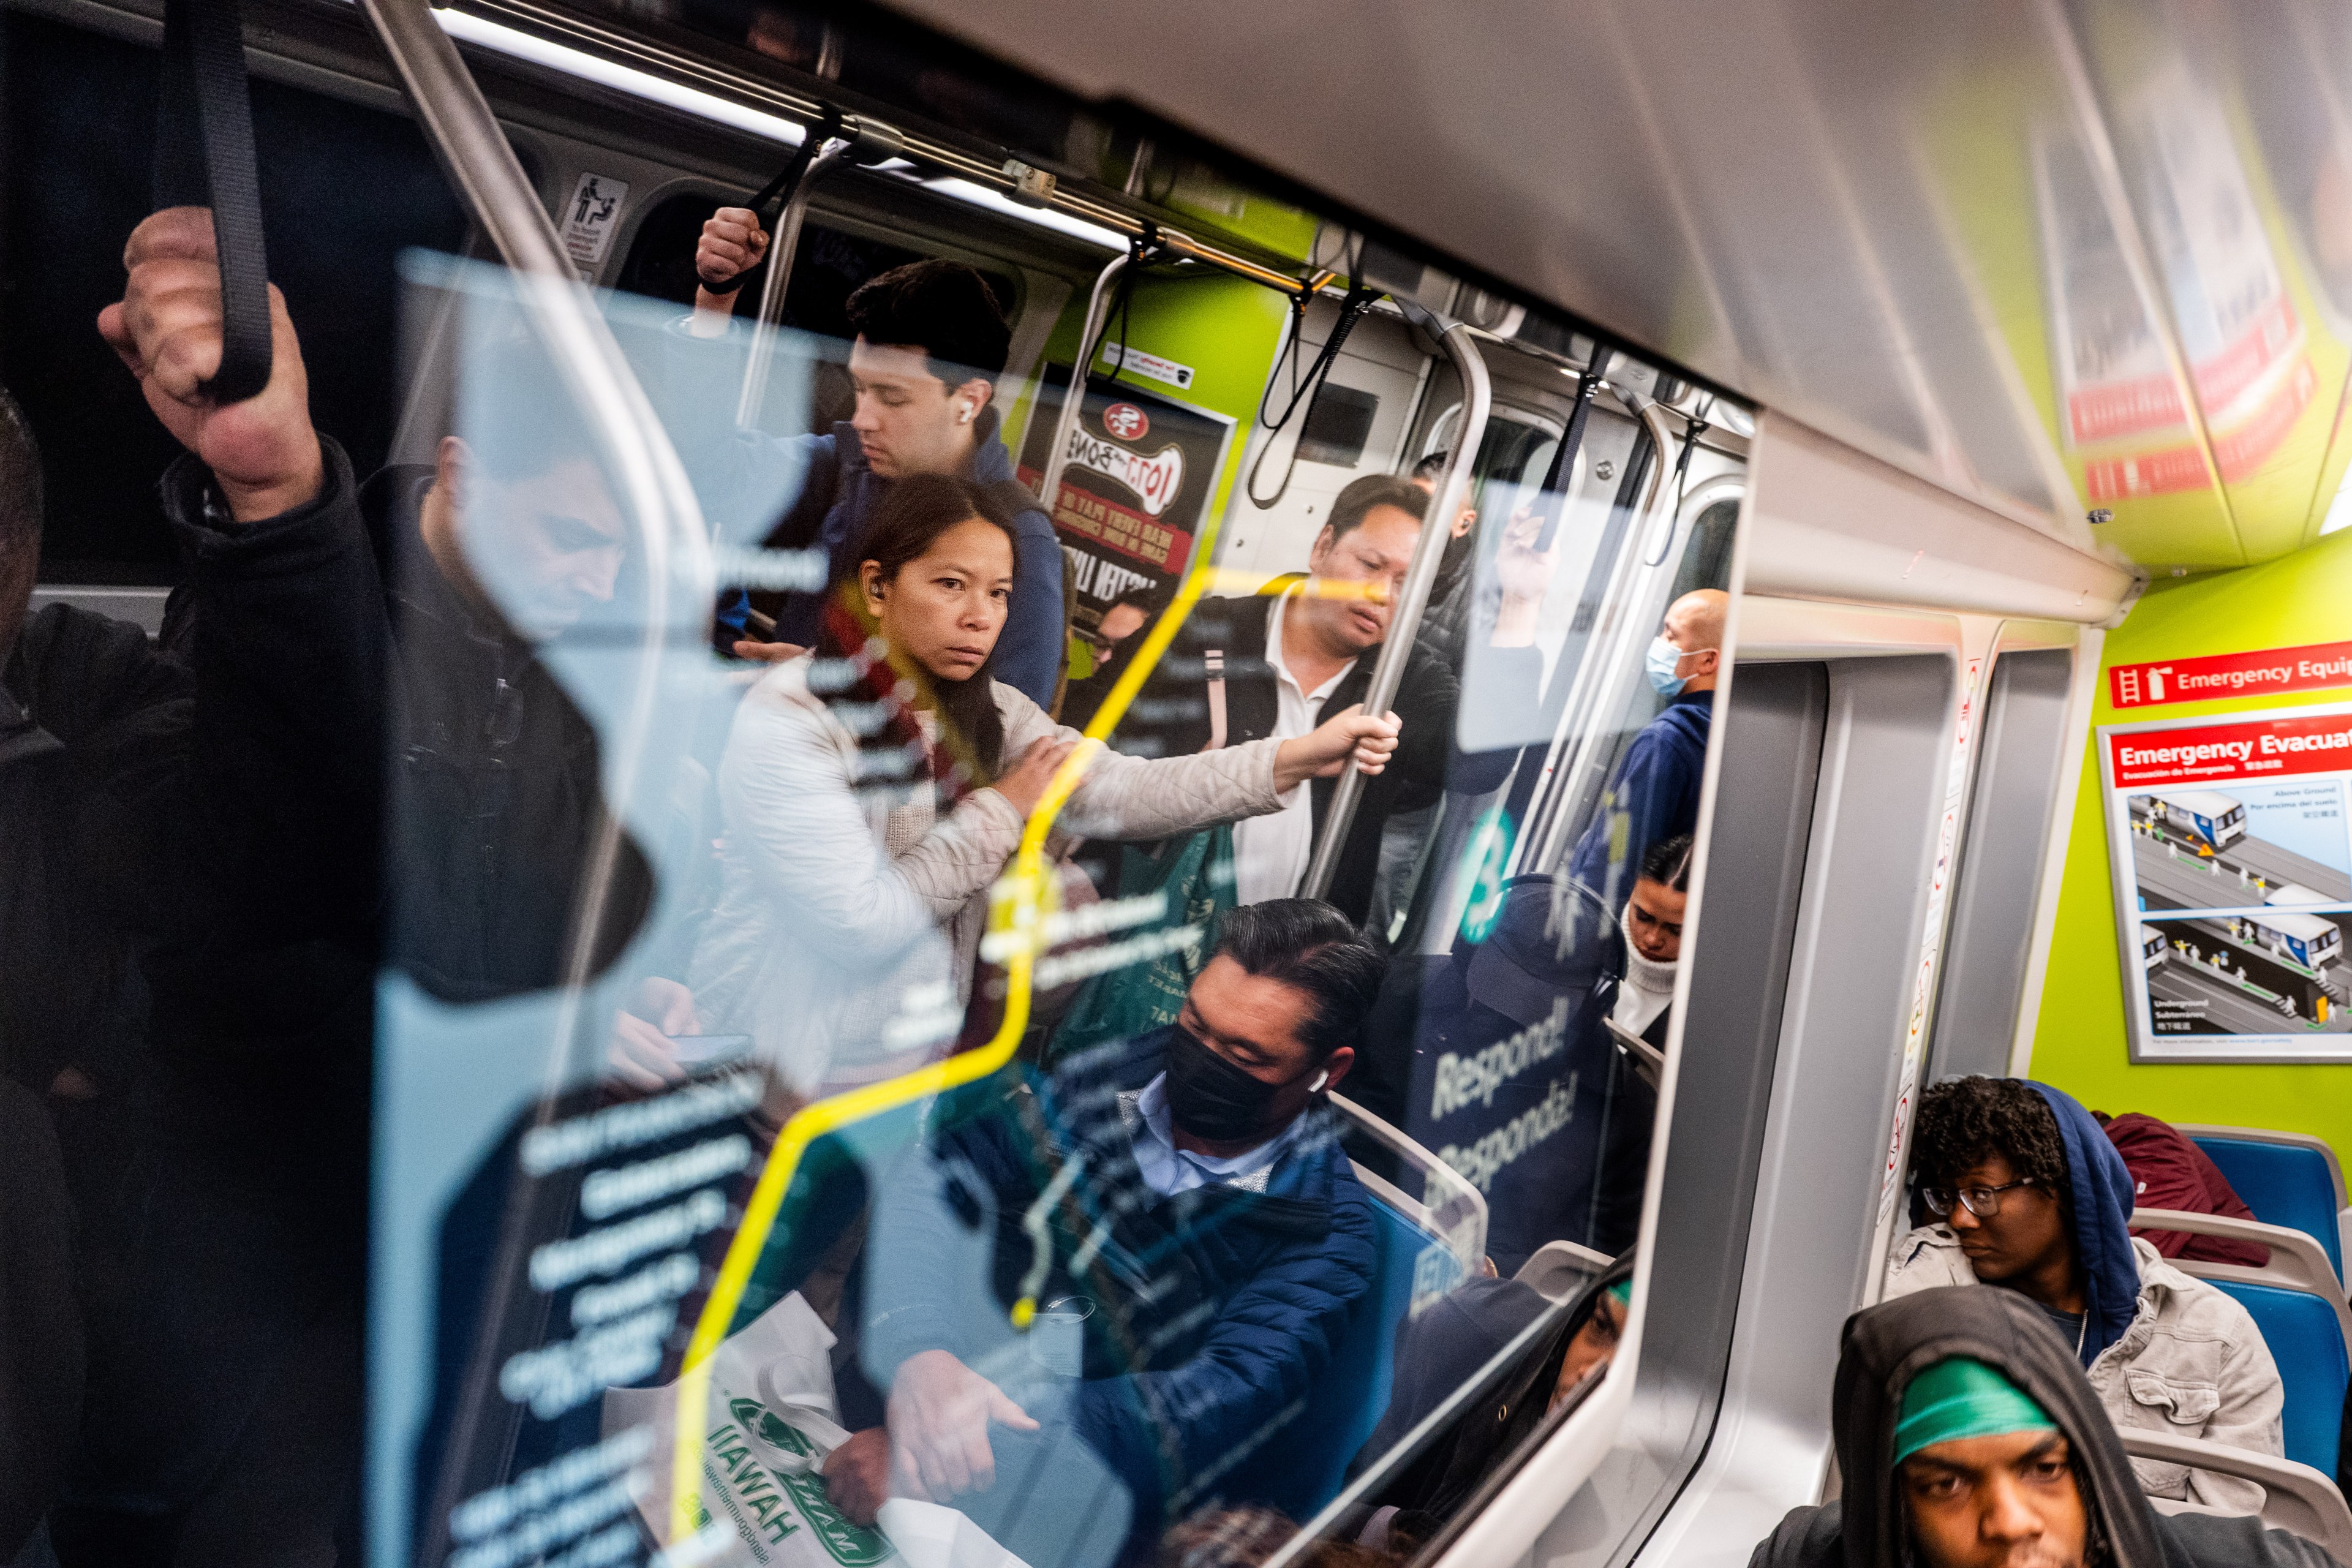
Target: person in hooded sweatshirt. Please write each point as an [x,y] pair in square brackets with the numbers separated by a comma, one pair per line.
[1967,1437]
[2028,1195]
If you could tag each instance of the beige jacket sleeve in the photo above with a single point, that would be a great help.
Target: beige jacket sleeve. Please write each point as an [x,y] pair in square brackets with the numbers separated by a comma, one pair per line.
[1140,798]
[2193,1363]
[1923,1259]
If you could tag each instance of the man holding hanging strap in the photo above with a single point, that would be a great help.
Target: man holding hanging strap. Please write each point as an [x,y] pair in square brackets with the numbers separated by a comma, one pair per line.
[1967,1437]
[932,341]
[1243,668]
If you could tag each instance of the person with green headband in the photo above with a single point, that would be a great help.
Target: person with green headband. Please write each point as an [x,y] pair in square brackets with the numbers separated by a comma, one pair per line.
[1983,1471]
[1969,1437]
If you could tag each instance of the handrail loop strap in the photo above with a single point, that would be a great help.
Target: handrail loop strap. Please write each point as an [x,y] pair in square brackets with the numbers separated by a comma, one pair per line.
[1563,458]
[204,157]
[777,193]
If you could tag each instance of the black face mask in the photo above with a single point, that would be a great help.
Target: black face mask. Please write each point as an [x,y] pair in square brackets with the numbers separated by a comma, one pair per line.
[1208,1097]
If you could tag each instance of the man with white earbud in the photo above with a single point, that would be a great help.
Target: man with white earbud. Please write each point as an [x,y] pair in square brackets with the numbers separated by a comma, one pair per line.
[1654,793]
[931,341]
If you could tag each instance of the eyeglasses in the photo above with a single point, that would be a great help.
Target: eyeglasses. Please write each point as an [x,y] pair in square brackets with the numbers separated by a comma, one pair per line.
[1982,1202]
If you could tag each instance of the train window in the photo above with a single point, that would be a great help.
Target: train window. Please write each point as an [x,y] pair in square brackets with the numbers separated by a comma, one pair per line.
[1338,425]
[831,974]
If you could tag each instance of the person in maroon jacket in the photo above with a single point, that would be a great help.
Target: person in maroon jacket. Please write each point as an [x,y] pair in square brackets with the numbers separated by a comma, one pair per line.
[2169,1171]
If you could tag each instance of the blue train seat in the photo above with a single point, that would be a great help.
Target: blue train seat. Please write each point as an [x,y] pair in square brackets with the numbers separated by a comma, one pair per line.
[1306,1463]
[2285,1179]
[2304,1339]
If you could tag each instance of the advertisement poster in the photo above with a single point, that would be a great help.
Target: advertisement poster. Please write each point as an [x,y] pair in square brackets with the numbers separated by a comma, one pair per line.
[1141,467]
[2121,408]
[2233,883]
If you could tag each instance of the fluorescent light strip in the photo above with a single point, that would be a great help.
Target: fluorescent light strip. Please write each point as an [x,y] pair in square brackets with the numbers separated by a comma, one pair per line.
[1041,217]
[524,45]
[578,63]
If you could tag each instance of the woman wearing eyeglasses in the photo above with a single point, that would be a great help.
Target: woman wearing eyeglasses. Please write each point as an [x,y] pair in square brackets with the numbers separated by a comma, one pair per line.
[2023,1191]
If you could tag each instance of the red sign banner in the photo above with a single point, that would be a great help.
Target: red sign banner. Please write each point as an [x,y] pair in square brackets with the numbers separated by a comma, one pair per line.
[2257,748]
[2264,672]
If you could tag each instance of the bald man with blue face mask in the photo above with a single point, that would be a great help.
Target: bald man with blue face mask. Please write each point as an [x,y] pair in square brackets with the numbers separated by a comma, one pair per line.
[1654,795]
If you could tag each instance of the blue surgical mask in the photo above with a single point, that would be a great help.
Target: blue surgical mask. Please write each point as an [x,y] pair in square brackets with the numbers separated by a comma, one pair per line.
[1660,662]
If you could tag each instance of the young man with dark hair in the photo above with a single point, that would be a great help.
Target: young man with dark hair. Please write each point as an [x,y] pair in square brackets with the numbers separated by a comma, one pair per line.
[930,340]
[1183,1199]
[2028,1194]
[1243,668]
[1967,1437]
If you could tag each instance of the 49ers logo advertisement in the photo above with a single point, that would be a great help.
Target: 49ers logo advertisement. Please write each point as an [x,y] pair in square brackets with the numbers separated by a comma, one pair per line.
[1137,484]
[2232,856]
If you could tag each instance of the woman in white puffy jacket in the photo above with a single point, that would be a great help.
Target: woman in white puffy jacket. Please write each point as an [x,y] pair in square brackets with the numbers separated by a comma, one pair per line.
[875,787]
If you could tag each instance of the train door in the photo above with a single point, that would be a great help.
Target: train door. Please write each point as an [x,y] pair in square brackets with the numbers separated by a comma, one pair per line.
[1858,761]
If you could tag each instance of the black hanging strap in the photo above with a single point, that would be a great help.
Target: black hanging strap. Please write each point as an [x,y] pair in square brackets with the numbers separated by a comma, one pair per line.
[1139,250]
[1563,458]
[777,193]
[1360,299]
[204,157]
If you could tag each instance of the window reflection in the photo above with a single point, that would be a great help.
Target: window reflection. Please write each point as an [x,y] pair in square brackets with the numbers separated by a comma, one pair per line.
[854,1056]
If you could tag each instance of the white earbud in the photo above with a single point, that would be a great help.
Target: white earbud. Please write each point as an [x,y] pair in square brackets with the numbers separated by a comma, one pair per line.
[1320,1080]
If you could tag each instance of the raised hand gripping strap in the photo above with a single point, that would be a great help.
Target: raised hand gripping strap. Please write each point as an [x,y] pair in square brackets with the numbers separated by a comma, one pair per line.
[204,157]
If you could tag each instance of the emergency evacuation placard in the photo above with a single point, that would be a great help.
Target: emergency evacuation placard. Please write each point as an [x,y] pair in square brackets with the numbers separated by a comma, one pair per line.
[1140,470]
[2233,883]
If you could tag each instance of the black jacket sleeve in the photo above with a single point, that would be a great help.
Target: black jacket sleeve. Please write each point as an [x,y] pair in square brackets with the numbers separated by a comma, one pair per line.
[291,642]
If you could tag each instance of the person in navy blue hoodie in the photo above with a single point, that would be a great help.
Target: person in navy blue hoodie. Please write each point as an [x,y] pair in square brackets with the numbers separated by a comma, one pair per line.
[932,341]
[1180,1207]
[2031,1197]
[1655,794]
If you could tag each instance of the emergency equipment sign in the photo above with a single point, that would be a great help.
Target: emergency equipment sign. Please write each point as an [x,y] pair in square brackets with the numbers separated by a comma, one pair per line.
[2263,672]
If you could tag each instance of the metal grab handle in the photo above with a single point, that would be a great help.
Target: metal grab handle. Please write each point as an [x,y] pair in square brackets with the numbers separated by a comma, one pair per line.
[658,498]
[1388,670]
[1057,457]
[782,247]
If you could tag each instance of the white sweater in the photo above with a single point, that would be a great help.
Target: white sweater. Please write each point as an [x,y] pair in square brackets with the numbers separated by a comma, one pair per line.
[845,930]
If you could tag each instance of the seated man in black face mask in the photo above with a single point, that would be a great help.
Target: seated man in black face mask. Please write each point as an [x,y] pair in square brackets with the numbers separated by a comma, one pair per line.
[1098,1300]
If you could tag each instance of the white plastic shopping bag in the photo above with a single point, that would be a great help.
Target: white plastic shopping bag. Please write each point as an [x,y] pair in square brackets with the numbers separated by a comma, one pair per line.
[768,1424]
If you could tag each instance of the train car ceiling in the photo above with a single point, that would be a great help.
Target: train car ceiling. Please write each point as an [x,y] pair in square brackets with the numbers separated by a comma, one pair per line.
[2069,260]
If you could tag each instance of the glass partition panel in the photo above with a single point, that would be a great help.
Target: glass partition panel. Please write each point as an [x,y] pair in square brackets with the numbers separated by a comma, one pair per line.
[776,1023]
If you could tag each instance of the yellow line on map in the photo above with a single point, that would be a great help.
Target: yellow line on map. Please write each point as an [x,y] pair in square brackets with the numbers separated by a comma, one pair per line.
[1015,906]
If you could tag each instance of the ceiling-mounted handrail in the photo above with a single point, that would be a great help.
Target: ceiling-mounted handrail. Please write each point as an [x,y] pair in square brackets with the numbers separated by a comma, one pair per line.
[658,498]
[1577,734]
[864,142]
[1452,491]
[741,87]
